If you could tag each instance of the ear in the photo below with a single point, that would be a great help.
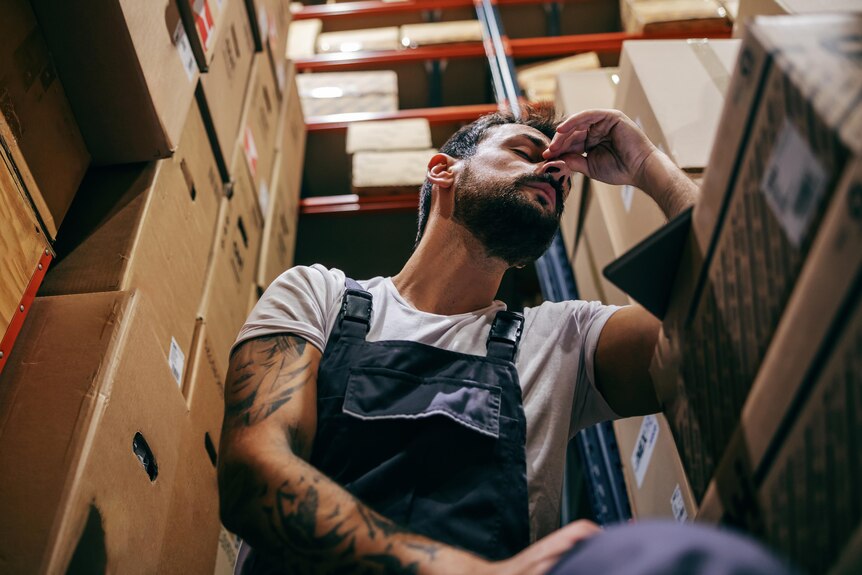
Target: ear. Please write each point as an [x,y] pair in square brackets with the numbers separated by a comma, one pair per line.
[440,171]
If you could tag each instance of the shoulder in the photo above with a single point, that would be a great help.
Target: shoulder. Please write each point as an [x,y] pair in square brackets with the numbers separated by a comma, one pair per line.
[569,313]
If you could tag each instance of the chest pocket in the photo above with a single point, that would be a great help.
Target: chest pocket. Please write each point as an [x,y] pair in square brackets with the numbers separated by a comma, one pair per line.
[384,394]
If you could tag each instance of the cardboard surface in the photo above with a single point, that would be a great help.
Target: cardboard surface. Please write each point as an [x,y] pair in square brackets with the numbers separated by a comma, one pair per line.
[87,503]
[204,24]
[413,35]
[630,215]
[223,88]
[540,80]
[302,38]
[274,18]
[595,243]
[290,140]
[674,90]
[147,227]
[655,16]
[37,127]
[655,478]
[394,171]
[128,71]
[409,134]
[260,124]
[279,235]
[348,92]
[232,266]
[369,39]
[21,244]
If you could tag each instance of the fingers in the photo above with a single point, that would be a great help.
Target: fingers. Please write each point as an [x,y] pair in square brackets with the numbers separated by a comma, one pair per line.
[577,163]
[570,142]
[584,120]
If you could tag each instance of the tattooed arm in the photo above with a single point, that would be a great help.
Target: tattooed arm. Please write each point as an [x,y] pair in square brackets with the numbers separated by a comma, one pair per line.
[279,503]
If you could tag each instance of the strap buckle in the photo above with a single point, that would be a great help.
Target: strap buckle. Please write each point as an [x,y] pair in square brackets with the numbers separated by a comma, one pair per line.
[505,335]
[356,307]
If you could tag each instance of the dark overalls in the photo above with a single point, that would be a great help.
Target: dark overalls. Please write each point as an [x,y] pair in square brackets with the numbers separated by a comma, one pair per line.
[429,438]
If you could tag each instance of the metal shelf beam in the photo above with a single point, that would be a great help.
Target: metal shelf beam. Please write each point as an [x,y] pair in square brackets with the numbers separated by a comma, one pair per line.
[372,7]
[442,115]
[351,203]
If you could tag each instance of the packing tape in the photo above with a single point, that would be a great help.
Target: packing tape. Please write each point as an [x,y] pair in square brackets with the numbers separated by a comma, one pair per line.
[709,60]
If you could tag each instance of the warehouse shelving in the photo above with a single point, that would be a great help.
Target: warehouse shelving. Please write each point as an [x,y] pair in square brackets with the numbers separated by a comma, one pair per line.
[17,322]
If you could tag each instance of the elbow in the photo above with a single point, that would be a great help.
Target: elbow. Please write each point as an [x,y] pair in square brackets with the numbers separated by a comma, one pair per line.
[236,488]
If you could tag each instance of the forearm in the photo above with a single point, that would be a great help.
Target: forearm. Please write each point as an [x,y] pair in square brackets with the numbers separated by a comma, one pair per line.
[667,185]
[285,507]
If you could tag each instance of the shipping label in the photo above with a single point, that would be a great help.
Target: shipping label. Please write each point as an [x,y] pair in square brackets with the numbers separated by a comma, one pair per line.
[184,50]
[677,505]
[250,152]
[627,194]
[644,446]
[177,362]
[263,196]
[203,21]
[794,183]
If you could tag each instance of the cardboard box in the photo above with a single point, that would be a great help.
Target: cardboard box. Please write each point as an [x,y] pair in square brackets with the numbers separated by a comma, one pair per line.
[748,9]
[539,81]
[365,40]
[273,21]
[819,303]
[656,16]
[279,231]
[430,33]
[194,506]
[629,214]
[232,266]
[223,89]
[655,478]
[96,498]
[302,38]
[392,172]
[148,227]
[24,245]
[37,127]
[760,208]
[594,251]
[290,141]
[348,92]
[128,71]
[409,134]
[204,23]
[674,90]
[260,123]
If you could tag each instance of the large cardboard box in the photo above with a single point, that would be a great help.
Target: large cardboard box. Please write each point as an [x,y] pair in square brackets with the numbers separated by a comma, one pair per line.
[204,23]
[594,251]
[674,90]
[653,472]
[409,134]
[274,17]
[302,38]
[194,506]
[223,88]
[539,81]
[430,33]
[37,128]
[748,9]
[370,39]
[24,245]
[232,266]
[290,140]
[348,92]
[785,144]
[656,16]
[91,417]
[279,232]
[128,71]
[392,172]
[148,227]
[260,123]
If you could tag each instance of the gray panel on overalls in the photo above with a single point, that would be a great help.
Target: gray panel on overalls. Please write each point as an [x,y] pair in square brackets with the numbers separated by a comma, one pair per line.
[432,439]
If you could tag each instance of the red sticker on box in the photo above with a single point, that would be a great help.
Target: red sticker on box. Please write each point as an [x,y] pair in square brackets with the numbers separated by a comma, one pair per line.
[250,152]
[203,21]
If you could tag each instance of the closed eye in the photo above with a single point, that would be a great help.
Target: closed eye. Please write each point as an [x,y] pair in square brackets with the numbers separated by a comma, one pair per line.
[523,154]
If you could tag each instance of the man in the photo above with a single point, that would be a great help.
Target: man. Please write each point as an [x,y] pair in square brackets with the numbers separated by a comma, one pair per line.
[412,425]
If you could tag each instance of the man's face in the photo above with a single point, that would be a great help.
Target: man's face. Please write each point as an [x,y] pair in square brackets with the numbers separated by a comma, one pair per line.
[509,197]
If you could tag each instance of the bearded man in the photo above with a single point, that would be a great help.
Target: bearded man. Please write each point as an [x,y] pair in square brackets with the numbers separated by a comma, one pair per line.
[413,425]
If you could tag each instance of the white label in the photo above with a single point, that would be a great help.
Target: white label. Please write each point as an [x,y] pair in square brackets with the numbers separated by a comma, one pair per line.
[263,197]
[280,76]
[177,362]
[794,183]
[677,505]
[627,193]
[184,49]
[644,447]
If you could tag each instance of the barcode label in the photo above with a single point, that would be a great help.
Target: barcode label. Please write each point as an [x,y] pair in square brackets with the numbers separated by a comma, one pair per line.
[184,50]
[177,362]
[263,197]
[794,183]
[644,446]
[627,193]
[677,505]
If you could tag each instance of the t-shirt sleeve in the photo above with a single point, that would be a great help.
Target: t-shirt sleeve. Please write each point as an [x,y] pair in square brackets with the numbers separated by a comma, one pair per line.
[300,301]
[589,405]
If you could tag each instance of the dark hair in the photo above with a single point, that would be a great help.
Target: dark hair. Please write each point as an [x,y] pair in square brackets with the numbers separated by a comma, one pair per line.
[466,140]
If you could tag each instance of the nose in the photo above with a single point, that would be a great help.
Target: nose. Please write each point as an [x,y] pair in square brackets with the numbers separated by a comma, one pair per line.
[559,170]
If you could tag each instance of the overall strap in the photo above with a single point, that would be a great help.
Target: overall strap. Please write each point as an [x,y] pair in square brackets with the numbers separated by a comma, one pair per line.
[505,335]
[355,317]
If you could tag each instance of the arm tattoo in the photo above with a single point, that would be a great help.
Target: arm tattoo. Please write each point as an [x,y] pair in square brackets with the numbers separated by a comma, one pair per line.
[266,374]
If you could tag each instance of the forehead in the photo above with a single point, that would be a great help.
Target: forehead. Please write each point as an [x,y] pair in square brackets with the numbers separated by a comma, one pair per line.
[500,135]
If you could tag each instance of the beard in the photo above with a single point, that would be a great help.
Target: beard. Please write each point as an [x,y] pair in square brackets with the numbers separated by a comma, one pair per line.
[508,223]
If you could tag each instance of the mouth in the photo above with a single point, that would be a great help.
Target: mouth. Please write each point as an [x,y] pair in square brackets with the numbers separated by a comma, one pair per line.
[546,195]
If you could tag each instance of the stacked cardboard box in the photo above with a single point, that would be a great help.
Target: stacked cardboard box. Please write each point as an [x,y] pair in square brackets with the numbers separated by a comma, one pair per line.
[747,9]
[540,80]
[656,16]
[789,147]
[155,263]
[348,92]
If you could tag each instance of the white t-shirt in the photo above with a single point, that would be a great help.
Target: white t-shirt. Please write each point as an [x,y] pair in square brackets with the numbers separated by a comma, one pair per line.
[554,362]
